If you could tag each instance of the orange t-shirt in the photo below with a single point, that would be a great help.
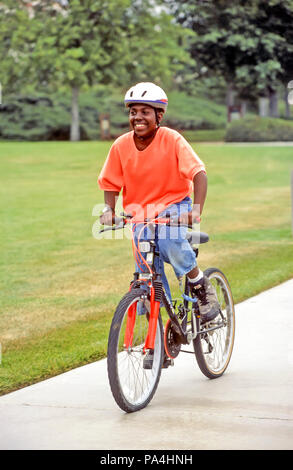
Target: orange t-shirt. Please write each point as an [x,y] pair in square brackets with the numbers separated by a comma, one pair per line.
[154,178]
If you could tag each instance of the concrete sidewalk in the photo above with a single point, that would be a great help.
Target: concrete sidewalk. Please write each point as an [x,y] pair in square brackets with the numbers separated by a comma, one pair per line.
[250,407]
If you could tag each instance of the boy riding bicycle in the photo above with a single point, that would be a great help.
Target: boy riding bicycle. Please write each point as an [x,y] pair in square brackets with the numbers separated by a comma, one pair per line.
[157,169]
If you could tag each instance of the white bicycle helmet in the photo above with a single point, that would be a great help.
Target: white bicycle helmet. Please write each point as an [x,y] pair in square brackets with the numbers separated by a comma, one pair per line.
[146,93]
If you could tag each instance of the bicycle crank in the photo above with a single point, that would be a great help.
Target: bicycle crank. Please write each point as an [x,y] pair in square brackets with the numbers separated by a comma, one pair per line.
[172,340]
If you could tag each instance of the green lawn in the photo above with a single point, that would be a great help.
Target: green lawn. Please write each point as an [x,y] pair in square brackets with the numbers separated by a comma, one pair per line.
[60,285]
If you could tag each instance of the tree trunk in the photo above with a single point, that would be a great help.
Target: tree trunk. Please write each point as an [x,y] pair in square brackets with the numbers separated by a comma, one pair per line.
[273,107]
[243,107]
[230,94]
[74,128]
[229,98]
[263,106]
[287,105]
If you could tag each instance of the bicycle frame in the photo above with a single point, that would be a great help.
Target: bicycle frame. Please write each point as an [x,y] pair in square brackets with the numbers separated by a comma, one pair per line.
[152,285]
[153,320]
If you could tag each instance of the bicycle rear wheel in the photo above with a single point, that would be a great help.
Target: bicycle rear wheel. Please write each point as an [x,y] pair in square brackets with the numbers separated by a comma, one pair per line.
[132,386]
[213,349]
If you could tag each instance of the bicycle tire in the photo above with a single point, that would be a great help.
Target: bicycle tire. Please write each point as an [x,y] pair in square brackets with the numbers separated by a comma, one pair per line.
[213,350]
[132,386]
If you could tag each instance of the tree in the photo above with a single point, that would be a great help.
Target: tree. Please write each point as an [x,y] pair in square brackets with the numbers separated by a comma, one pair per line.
[81,46]
[158,47]
[15,46]
[277,16]
[237,39]
[105,41]
[80,43]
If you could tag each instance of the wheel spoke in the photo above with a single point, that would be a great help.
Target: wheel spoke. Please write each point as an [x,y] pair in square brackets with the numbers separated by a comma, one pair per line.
[131,384]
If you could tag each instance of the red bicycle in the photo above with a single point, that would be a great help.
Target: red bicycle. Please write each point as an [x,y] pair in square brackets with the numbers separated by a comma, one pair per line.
[139,346]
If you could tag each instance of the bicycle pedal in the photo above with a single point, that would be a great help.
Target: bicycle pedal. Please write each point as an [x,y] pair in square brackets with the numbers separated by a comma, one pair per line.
[148,360]
[167,363]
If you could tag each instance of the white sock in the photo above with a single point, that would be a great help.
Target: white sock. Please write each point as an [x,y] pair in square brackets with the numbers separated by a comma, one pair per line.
[197,278]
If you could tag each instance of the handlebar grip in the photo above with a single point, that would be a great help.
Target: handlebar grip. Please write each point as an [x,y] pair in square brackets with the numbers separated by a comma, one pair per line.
[175,221]
[119,224]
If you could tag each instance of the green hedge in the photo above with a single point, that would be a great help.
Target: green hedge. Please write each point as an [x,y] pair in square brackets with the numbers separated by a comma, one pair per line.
[190,113]
[259,129]
[39,116]
[205,135]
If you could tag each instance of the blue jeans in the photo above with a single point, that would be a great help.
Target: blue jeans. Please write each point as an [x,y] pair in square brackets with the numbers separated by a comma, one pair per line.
[173,247]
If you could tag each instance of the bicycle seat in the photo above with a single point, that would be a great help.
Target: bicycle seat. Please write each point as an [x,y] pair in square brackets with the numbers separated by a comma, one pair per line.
[195,238]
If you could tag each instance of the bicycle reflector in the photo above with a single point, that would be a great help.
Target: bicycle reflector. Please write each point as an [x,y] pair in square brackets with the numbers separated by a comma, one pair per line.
[144,247]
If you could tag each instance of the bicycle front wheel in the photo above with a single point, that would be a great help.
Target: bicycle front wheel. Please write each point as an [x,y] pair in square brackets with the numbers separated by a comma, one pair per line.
[213,349]
[132,385]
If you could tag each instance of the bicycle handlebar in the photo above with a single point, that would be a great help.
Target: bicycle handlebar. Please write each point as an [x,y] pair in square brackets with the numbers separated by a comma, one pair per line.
[120,222]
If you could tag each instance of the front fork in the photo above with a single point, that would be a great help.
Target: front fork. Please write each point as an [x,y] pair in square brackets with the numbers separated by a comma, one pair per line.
[157,294]
[155,300]
[131,317]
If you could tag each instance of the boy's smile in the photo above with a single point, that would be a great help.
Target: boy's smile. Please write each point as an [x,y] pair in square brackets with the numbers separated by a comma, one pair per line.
[143,120]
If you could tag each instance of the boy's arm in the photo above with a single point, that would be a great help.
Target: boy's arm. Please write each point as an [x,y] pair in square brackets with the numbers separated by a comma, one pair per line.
[110,198]
[200,185]
[199,197]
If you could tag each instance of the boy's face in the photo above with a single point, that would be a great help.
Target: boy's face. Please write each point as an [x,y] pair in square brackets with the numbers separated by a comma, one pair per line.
[142,119]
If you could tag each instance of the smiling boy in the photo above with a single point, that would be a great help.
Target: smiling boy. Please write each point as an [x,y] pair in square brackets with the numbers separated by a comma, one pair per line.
[157,169]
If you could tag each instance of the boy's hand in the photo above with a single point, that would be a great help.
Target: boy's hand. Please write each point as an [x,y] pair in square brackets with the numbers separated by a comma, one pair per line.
[107,217]
[189,218]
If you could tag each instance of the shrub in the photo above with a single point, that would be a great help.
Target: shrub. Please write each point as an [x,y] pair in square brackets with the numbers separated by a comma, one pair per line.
[40,116]
[192,113]
[259,129]
[31,117]
[205,135]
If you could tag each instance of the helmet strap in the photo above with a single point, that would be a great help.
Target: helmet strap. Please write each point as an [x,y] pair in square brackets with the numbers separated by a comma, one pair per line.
[157,119]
